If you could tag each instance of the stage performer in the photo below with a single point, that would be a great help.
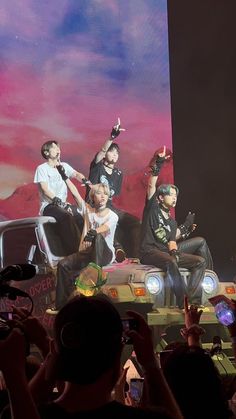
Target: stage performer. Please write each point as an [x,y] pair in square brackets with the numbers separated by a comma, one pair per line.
[160,235]
[53,197]
[103,169]
[96,243]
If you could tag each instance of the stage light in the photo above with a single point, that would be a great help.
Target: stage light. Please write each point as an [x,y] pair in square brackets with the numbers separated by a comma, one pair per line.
[154,284]
[209,283]
[210,286]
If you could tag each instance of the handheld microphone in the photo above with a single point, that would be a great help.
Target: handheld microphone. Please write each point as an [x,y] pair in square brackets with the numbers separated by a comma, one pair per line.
[20,272]
[85,181]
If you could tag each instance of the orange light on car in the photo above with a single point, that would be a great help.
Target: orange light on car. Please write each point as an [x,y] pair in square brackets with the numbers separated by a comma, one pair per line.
[113,293]
[230,290]
[139,292]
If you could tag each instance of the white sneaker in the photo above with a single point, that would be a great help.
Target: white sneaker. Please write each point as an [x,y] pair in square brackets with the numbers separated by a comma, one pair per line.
[52,310]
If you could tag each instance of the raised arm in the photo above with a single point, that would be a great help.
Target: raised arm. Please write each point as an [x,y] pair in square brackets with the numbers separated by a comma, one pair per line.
[80,177]
[192,332]
[12,364]
[155,166]
[78,198]
[116,130]
[158,390]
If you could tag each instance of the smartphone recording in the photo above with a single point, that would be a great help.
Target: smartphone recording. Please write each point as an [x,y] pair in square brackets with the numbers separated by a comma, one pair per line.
[136,389]
[6,315]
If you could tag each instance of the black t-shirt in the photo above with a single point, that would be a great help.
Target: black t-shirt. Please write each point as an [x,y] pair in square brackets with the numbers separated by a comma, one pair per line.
[98,174]
[156,230]
[112,410]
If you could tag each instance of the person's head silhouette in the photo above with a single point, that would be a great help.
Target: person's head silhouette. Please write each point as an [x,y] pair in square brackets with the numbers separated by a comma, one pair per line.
[88,334]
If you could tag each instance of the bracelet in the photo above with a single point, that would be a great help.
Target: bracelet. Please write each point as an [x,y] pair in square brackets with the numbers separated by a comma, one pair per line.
[233,339]
[195,329]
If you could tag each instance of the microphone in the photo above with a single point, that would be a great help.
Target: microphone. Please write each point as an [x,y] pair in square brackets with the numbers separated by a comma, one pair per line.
[85,181]
[217,346]
[11,292]
[20,272]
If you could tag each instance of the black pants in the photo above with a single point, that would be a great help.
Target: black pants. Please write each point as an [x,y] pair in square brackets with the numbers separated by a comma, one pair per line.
[127,235]
[194,256]
[70,266]
[66,230]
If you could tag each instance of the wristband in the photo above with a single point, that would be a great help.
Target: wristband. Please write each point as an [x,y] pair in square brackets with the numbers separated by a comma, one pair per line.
[195,329]
[85,181]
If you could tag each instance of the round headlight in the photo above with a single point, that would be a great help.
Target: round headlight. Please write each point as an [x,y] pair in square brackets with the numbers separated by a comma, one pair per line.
[209,284]
[154,284]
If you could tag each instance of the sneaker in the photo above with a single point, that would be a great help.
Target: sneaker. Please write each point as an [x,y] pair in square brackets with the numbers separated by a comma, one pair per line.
[52,310]
[120,255]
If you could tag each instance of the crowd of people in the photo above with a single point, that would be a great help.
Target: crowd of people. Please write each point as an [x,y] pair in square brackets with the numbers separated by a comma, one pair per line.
[81,375]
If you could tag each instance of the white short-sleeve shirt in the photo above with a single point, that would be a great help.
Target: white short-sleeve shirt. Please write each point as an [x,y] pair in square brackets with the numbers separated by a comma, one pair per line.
[55,183]
[92,221]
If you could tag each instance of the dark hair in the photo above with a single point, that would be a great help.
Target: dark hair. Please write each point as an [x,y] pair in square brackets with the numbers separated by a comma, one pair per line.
[114,146]
[88,333]
[46,147]
[164,189]
[195,383]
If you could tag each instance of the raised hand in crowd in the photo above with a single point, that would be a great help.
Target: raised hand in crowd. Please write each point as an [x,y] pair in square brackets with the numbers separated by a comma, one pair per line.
[157,390]
[46,378]
[34,331]
[12,365]
[192,332]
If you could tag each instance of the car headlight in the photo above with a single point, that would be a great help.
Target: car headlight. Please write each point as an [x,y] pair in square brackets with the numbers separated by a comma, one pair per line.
[154,284]
[209,284]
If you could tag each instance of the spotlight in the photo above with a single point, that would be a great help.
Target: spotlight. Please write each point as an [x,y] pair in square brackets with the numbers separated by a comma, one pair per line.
[210,286]
[209,283]
[154,283]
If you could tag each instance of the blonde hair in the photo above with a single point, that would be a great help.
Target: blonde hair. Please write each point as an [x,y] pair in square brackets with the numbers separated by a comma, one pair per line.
[96,189]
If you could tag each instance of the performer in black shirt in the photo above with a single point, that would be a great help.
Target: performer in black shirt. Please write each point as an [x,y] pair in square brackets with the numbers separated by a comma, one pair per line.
[103,170]
[160,234]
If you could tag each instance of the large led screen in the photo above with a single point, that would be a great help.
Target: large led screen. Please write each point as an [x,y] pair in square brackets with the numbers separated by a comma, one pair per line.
[68,70]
